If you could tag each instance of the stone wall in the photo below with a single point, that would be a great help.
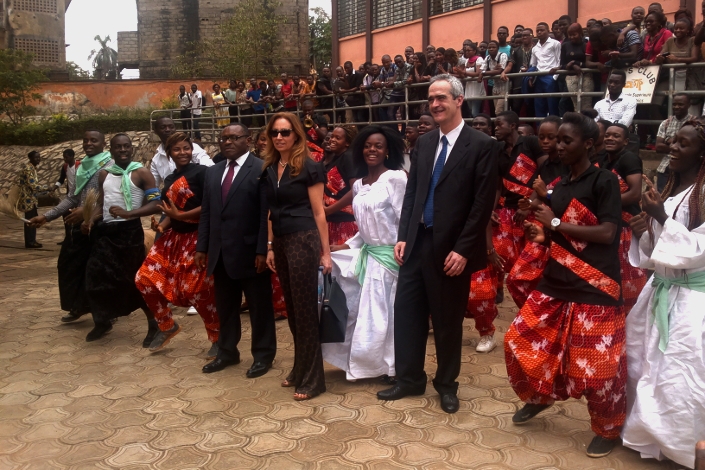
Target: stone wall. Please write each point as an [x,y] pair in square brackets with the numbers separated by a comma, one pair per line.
[129,52]
[167,27]
[13,157]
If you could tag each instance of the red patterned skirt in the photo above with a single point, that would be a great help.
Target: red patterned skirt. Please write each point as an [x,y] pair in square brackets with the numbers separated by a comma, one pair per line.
[556,350]
[340,232]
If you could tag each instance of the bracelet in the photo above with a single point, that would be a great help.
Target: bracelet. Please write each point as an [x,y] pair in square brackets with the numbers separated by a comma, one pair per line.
[269,243]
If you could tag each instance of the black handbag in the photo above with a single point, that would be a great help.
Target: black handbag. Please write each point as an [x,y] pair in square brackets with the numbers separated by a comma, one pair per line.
[334,312]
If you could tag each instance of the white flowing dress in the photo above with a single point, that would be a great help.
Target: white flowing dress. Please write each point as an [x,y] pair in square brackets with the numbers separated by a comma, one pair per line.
[666,390]
[368,350]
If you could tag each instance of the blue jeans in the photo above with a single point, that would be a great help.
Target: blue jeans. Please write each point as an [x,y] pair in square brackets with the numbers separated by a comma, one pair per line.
[545,106]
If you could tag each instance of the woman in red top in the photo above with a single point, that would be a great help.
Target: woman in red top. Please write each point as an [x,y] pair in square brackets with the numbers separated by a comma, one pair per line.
[337,197]
[656,37]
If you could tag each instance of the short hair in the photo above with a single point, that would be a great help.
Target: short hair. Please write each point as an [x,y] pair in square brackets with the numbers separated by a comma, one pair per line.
[603,122]
[504,28]
[531,31]
[566,17]
[493,41]
[519,26]
[456,86]
[441,50]
[660,17]
[306,102]
[624,128]
[347,62]
[621,73]
[120,134]
[487,118]
[176,138]
[395,148]
[32,153]
[240,125]
[510,116]
[551,119]
[160,118]
[542,24]
[69,153]
[398,56]
[682,95]
[585,126]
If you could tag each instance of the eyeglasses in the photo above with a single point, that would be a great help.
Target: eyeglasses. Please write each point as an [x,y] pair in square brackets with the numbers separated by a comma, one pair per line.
[273,133]
[232,138]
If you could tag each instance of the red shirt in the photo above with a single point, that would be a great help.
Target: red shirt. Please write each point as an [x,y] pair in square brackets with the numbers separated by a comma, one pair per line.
[287,90]
[653,46]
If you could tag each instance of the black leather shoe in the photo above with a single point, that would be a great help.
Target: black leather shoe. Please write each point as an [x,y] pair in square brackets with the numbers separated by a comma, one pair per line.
[399,391]
[527,412]
[33,245]
[71,316]
[258,369]
[219,364]
[450,403]
[98,331]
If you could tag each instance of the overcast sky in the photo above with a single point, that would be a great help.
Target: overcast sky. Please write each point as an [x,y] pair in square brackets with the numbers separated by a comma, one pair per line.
[87,18]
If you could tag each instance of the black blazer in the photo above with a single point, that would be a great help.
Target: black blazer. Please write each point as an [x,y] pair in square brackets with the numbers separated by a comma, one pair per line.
[464,197]
[236,230]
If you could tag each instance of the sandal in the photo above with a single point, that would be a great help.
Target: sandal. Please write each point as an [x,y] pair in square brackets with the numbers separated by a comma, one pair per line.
[288,383]
[303,396]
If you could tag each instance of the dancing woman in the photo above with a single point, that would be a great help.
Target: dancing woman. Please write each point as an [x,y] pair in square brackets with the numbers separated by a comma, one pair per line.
[364,266]
[169,275]
[568,338]
[666,327]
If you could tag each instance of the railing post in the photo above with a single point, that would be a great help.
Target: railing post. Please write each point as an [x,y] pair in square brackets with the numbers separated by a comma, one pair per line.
[335,103]
[579,96]
[406,105]
[671,87]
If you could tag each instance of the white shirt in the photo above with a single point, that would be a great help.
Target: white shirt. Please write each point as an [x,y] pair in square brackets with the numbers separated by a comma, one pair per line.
[239,161]
[621,110]
[452,136]
[196,103]
[162,166]
[546,56]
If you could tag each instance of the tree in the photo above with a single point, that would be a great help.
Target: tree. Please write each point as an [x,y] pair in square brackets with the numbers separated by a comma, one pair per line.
[104,60]
[76,72]
[247,44]
[321,44]
[19,80]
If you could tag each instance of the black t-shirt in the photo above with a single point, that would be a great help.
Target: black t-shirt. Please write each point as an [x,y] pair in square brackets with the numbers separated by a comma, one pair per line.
[626,164]
[519,58]
[514,169]
[596,191]
[289,205]
[184,189]
[599,158]
[552,171]
[354,80]
[572,52]
[322,86]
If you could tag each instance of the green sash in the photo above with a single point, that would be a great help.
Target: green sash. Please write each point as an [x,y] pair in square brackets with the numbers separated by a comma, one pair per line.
[383,254]
[661,285]
[89,166]
[125,183]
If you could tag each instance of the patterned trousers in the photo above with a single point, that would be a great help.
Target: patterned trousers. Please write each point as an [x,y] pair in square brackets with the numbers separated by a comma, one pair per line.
[508,239]
[556,350]
[169,275]
[527,271]
[297,257]
[481,302]
[633,279]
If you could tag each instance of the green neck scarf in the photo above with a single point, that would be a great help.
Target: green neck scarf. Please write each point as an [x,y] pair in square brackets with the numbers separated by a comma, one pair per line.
[125,183]
[693,281]
[89,166]
[383,254]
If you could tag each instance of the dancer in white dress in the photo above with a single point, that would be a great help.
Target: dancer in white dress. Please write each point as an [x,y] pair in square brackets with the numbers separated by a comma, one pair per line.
[666,328]
[365,267]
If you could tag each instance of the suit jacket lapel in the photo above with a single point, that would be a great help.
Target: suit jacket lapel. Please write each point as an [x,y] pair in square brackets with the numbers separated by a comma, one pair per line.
[215,182]
[455,155]
[241,175]
[426,157]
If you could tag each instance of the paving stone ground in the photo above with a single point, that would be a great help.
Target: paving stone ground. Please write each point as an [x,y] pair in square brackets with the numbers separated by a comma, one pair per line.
[68,404]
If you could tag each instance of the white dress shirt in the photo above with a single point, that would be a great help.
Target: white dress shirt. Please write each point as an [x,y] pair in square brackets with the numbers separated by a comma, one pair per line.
[239,161]
[621,110]
[452,136]
[546,56]
[196,103]
[162,166]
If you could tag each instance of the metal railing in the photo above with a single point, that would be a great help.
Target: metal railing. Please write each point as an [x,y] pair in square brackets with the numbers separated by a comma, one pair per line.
[210,131]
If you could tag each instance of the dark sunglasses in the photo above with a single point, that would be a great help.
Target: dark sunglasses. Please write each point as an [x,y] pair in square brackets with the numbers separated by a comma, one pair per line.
[232,138]
[284,132]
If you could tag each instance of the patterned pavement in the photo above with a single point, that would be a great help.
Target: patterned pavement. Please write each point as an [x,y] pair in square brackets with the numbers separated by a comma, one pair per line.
[68,404]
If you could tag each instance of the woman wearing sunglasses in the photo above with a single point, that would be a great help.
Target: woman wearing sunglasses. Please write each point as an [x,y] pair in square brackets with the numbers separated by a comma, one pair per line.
[298,243]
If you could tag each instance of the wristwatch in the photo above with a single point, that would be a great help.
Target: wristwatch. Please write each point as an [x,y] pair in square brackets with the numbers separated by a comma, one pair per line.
[549,193]
[555,222]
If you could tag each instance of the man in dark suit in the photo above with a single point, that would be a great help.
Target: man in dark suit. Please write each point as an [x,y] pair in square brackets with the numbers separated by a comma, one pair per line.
[232,243]
[447,206]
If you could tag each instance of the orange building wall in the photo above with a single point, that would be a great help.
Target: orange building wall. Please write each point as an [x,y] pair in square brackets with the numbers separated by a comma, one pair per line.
[528,13]
[352,49]
[401,36]
[451,29]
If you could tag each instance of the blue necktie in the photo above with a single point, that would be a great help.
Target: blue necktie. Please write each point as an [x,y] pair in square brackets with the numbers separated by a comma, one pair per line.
[437,169]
